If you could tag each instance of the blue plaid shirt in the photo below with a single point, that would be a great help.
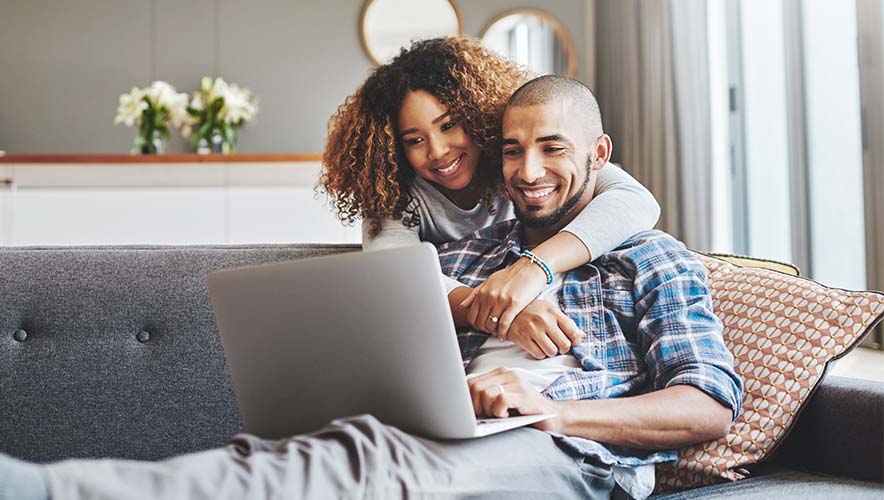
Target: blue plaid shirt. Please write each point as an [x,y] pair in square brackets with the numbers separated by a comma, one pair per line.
[647,314]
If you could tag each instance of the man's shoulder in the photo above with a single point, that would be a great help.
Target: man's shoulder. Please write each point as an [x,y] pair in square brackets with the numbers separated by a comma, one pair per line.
[648,242]
[653,252]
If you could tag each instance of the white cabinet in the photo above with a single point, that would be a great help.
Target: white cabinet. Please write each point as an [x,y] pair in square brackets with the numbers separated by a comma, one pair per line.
[121,215]
[5,203]
[166,204]
[284,214]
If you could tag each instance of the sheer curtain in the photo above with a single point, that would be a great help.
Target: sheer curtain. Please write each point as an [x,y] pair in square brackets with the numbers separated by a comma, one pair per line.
[652,82]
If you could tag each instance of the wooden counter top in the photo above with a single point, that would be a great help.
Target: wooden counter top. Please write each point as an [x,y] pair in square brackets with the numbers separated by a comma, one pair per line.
[163,158]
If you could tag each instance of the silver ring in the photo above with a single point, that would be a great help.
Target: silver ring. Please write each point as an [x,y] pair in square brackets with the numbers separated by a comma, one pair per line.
[494,319]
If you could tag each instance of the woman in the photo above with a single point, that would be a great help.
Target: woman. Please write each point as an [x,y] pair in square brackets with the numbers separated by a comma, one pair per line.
[415,153]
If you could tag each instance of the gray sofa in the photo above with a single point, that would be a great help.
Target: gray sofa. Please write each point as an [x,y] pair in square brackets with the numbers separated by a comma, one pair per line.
[113,352]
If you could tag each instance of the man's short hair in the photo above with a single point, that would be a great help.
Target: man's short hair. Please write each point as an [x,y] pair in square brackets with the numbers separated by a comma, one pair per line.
[554,88]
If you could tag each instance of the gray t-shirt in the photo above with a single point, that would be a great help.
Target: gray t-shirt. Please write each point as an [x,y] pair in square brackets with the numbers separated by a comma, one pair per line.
[620,207]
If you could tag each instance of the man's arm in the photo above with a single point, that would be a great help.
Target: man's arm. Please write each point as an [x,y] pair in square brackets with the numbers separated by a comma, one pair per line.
[695,390]
[669,418]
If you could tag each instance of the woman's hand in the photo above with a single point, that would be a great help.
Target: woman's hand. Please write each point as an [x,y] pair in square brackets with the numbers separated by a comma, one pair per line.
[544,330]
[504,295]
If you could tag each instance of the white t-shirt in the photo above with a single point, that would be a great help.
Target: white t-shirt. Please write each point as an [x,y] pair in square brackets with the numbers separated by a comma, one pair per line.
[637,481]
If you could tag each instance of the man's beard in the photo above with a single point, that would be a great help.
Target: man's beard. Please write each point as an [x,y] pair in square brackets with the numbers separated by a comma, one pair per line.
[545,221]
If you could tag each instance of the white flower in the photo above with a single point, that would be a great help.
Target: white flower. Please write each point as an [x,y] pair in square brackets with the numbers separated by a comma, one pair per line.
[176,105]
[197,101]
[206,84]
[238,105]
[159,92]
[162,95]
[130,108]
[219,89]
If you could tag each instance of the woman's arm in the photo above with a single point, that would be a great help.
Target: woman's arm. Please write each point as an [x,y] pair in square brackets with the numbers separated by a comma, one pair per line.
[620,208]
[396,234]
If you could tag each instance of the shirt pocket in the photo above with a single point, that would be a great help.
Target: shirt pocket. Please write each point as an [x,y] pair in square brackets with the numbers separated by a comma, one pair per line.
[619,307]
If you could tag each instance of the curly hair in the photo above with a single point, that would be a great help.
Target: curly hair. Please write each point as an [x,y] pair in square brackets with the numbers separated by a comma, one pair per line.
[365,172]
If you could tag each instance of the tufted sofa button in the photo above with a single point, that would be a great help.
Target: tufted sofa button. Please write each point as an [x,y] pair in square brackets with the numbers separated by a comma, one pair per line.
[143,336]
[20,335]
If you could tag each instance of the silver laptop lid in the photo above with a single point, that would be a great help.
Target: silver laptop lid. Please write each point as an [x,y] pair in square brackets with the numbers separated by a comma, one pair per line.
[312,340]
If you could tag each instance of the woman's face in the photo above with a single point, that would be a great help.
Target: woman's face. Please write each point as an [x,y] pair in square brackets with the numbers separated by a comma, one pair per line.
[435,144]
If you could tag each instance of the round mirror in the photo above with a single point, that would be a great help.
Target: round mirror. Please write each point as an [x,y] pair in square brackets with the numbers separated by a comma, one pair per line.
[534,39]
[388,25]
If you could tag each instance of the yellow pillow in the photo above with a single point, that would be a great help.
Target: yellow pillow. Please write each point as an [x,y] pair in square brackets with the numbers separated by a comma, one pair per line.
[743,261]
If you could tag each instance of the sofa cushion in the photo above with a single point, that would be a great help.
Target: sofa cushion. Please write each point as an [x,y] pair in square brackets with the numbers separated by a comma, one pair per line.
[784,485]
[743,261]
[783,331]
[120,355]
[840,432]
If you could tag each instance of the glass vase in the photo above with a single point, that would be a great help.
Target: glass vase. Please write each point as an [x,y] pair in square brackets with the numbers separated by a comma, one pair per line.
[149,143]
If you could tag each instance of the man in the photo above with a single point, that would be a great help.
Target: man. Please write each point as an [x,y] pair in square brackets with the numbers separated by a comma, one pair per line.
[651,372]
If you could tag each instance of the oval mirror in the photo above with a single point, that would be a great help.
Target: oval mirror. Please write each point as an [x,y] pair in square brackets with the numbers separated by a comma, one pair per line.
[534,39]
[388,25]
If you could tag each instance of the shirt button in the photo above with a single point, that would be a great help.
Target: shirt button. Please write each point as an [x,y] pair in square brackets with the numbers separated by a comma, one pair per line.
[143,336]
[20,335]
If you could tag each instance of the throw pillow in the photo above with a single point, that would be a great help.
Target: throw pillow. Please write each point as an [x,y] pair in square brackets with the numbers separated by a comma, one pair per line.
[783,331]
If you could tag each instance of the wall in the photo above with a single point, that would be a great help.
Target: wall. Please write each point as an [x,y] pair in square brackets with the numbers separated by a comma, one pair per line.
[64,64]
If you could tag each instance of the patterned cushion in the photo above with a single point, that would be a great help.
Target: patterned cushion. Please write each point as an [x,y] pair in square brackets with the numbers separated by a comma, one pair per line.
[783,331]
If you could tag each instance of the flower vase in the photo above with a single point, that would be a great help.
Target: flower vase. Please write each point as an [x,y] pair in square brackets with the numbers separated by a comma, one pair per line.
[154,145]
[222,142]
[217,142]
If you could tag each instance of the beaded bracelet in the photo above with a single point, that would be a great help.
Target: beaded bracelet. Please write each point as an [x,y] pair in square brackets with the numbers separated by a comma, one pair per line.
[543,265]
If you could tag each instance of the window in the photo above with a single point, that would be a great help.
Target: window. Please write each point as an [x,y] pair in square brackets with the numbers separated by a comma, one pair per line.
[787,137]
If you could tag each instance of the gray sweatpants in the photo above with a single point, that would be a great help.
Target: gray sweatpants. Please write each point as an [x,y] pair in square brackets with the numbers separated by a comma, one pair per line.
[356,457]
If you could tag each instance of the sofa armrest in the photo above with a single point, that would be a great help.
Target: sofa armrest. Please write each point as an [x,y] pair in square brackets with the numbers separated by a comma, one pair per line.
[841,432]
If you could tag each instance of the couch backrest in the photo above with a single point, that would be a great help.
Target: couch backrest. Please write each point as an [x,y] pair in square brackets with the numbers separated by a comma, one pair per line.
[113,351]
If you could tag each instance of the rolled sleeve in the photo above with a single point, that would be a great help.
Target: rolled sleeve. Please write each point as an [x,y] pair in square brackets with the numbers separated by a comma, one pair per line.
[681,335]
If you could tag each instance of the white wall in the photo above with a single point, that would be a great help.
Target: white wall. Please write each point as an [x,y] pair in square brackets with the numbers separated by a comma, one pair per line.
[63,64]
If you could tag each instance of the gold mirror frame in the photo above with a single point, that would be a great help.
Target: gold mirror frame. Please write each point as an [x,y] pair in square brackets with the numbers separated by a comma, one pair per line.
[561,33]
[362,39]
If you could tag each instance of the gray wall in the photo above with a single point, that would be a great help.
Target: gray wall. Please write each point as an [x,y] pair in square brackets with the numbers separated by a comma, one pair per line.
[63,63]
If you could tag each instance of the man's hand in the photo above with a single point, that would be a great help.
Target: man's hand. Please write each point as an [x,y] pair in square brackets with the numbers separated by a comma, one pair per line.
[544,330]
[497,392]
[503,296]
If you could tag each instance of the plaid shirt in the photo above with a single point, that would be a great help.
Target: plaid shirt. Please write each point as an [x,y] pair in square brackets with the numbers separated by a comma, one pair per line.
[647,314]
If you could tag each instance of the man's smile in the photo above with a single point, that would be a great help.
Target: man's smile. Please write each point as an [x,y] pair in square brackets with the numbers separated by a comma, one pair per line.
[535,196]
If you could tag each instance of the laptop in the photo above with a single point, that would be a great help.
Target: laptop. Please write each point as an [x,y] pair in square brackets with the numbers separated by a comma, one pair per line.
[316,339]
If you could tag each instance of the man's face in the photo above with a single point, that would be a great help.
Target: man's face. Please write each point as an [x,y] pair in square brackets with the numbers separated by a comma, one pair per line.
[546,163]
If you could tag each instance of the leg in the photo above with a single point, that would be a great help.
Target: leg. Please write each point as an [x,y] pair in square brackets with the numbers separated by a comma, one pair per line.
[21,480]
[351,458]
